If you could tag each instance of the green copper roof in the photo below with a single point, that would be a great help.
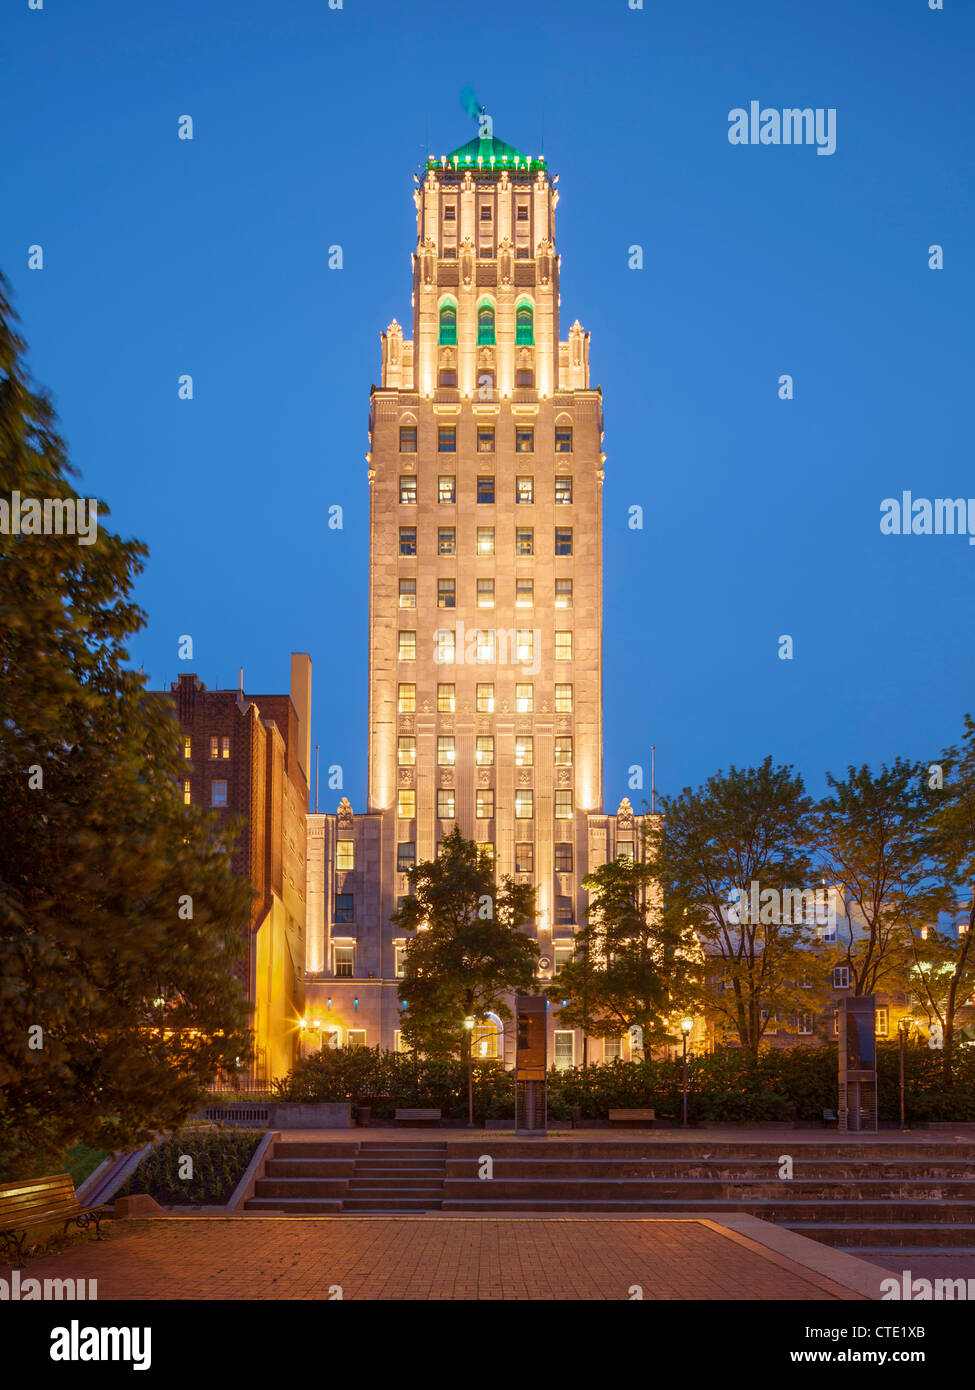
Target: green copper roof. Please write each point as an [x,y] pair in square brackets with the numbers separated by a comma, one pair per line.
[478,154]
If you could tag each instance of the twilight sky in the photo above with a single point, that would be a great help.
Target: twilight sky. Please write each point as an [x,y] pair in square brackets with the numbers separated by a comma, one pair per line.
[762,516]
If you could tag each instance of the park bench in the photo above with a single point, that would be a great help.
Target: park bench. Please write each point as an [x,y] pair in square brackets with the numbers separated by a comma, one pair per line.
[417,1117]
[37,1202]
[830,1119]
[641,1118]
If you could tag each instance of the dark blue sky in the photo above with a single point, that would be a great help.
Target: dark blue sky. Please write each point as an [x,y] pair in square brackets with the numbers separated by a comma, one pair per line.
[209,257]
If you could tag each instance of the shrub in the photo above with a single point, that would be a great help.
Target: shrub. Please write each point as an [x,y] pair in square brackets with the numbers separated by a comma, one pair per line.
[220,1158]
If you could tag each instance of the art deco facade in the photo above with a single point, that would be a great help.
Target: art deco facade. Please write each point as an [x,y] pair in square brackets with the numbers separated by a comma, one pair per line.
[485,470]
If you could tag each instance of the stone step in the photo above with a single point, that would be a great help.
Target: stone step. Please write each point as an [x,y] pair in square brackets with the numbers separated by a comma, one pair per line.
[301,1187]
[715,1169]
[311,1206]
[360,1183]
[690,1190]
[782,1212]
[945,1150]
[394,1169]
[393,1201]
[852,1236]
[307,1148]
[309,1168]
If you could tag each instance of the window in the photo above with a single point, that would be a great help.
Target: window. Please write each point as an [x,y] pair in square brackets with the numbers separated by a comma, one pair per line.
[485,593]
[563,698]
[448,324]
[450,253]
[563,956]
[447,488]
[485,540]
[485,315]
[446,593]
[524,750]
[563,593]
[525,440]
[485,804]
[563,804]
[187,746]
[805,1024]
[446,439]
[407,490]
[563,911]
[446,699]
[406,750]
[836,1024]
[486,646]
[525,490]
[344,907]
[445,803]
[484,754]
[407,540]
[219,747]
[485,489]
[612,1049]
[407,646]
[563,440]
[563,857]
[522,253]
[828,933]
[624,849]
[524,857]
[407,593]
[522,212]
[485,439]
[524,377]
[406,804]
[485,385]
[343,957]
[485,698]
[525,698]
[524,325]
[524,541]
[398,1044]
[525,644]
[485,212]
[406,697]
[486,847]
[447,376]
[563,750]
[187,794]
[355,1037]
[345,855]
[446,755]
[446,540]
[563,540]
[563,491]
[218,793]
[399,968]
[405,856]
[564,1049]
[563,646]
[446,649]
[841,977]
[524,803]
[407,439]
[450,212]
[883,1021]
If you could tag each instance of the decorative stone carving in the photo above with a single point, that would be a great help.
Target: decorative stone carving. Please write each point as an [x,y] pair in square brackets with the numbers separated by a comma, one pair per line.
[467,261]
[524,778]
[406,723]
[484,778]
[504,262]
[564,725]
[446,724]
[624,816]
[406,775]
[447,777]
[344,814]
[564,777]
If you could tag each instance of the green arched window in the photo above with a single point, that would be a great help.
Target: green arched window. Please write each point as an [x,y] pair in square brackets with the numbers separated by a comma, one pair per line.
[448,323]
[524,325]
[485,325]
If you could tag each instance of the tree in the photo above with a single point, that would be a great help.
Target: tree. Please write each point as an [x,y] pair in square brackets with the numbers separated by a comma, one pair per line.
[468,950]
[742,835]
[120,919]
[633,966]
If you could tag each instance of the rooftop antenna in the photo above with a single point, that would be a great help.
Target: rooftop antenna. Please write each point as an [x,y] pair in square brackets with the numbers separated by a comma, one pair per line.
[316,778]
[240,679]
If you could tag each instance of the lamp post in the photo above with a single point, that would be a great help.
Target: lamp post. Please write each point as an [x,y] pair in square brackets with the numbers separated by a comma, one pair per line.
[902,1029]
[469,1025]
[686,1024]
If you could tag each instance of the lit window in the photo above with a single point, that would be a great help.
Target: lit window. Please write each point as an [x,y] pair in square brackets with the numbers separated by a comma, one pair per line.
[563,805]
[486,847]
[448,324]
[407,593]
[406,804]
[524,541]
[345,856]
[447,488]
[485,750]
[524,750]
[805,1022]
[406,697]
[525,490]
[214,746]
[563,698]
[485,698]
[407,490]
[447,439]
[218,793]
[399,966]
[563,911]
[407,646]
[405,856]
[225,748]
[344,907]
[563,646]
[343,957]
[446,700]
[525,640]
[485,489]
[445,803]
[624,849]
[485,804]
[485,439]
[563,751]
[485,316]
[485,593]
[524,857]
[486,646]
[883,1021]
[407,439]
[525,440]
[563,491]
[187,746]
[407,540]
[563,857]
[446,541]
[485,540]
[524,325]
[563,440]
[406,750]
[563,540]
[187,797]
[446,649]
[446,593]
[841,977]
[612,1049]
[446,755]
[563,593]
[564,1049]
[525,698]
[563,956]
[524,803]
[355,1037]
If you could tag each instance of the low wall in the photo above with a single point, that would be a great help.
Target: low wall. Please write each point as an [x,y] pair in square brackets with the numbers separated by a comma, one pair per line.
[279,1114]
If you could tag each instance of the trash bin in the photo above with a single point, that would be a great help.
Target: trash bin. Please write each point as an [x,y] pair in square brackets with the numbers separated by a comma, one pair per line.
[363,1114]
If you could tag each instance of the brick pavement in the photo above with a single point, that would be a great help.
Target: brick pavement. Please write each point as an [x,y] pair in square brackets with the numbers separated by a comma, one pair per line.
[431,1258]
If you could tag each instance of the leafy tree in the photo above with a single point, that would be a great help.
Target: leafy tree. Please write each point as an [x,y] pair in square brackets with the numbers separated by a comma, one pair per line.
[747,826]
[468,950]
[120,919]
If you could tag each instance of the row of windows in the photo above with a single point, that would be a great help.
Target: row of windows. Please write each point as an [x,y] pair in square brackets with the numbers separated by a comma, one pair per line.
[484,697]
[524,538]
[447,593]
[804,1023]
[218,793]
[524,860]
[447,439]
[486,492]
[446,755]
[486,211]
[486,649]
[524,323]
[524,803]
[219,746]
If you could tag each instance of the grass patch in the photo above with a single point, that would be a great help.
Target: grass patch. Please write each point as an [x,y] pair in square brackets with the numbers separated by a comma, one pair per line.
[200,1167]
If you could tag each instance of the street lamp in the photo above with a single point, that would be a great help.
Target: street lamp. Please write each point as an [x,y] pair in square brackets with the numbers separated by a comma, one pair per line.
[686,1024]
[469,1025]
[903,1028]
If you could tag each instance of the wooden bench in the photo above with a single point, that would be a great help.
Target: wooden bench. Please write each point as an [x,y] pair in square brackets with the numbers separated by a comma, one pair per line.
[641,1118]
[417,1117]
[41,1202]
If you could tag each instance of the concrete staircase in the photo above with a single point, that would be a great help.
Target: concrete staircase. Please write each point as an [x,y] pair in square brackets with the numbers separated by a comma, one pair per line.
[302,1176]
[321,1179]
[391,1176]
